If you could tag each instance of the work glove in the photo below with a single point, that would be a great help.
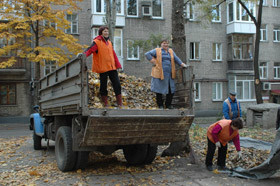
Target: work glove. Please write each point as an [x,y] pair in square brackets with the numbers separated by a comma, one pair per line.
[79,55]
[184,65]
[239,155]
[218,144]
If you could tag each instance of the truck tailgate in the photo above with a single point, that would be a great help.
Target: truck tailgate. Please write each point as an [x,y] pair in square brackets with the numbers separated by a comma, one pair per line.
[131,126]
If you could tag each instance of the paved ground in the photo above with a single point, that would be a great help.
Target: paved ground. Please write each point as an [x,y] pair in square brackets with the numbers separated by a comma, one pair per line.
[23,165]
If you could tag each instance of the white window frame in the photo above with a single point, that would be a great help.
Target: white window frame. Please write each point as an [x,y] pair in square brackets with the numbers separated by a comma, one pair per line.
[71,24]
[216,87]
[263,70]
[127,46]
[276,34]
[263,32]
[198,97]
[158,17]
[103,6]
[217,13]
[238,14]
[190,11]
[194,45]
[276,70]
[276,3]
[50,67]
[50,24]
[218,48]
[233,81]
[137,11]
[121,37]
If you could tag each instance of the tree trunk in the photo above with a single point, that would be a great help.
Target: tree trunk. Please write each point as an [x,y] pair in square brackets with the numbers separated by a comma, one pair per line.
[36,68]
[111,18]
[258,85]
[179,46]
[257,22]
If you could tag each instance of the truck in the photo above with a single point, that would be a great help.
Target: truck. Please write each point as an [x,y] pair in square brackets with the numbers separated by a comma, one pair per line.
[66,117]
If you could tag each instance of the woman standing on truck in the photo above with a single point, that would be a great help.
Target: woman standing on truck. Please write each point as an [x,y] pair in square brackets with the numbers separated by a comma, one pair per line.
[105,62]
[163,72]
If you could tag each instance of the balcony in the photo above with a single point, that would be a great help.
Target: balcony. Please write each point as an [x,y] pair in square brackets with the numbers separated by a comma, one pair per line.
[18,68]
[247,65]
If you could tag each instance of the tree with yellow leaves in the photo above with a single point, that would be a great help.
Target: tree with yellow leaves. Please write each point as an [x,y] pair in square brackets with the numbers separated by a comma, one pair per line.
[36,30]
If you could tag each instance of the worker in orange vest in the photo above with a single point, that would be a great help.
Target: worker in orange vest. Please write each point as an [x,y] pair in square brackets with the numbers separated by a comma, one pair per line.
[218,135]
[105,62]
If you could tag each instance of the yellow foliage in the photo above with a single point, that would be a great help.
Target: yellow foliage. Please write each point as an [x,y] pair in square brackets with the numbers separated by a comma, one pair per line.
[23,16]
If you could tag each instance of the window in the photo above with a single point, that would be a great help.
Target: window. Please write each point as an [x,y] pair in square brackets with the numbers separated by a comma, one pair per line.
[217,51]
[263,33]
[73,19]
[217,91]
[216,14]
[94,32]
[230,12]
[194,51]
[100,7]
[157,8]
[132,8]
[276,3]
[237,13]
[7,94]
[197,91]
[276,34]
[276,70]
[263,70]
[4,42]
[244,86]
[190,11]
[132,51]
[240,47]
[46,23]
[118,42]
[50,66]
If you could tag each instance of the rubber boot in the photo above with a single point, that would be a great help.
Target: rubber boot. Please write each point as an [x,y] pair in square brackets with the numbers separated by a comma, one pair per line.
[168,101]
[105,100]
[159,100]
[119,100]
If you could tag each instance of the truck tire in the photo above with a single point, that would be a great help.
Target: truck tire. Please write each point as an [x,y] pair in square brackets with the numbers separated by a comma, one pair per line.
[151,154]
[82,159]
[135,154]
[65,156]
[37,141]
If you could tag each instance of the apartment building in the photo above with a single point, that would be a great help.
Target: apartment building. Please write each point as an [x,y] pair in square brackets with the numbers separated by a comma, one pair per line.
[221,50]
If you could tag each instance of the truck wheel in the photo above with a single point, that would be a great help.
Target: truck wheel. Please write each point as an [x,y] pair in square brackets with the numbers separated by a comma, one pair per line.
[65,157]
[135,154]
[151,154]
[82,159]
[37,141]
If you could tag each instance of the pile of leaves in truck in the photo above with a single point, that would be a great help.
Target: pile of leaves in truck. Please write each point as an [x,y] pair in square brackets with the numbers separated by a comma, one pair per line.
[136,93]
[251,157]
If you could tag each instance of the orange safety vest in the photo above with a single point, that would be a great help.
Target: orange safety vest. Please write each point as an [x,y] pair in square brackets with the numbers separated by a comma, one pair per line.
[157,71]
[224,135]
[103,60]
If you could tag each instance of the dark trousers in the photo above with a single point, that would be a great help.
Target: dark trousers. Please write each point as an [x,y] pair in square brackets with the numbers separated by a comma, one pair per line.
[114,78]
[168,99]
[222,152]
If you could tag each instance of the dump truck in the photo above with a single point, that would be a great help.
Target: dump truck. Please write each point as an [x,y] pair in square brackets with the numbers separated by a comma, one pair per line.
[66,117]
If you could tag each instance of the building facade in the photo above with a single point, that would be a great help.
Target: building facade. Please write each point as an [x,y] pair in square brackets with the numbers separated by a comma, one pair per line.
[221,50]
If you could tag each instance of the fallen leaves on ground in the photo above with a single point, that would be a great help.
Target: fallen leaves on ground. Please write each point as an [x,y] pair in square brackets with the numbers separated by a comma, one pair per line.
[136,93]
[250,157]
